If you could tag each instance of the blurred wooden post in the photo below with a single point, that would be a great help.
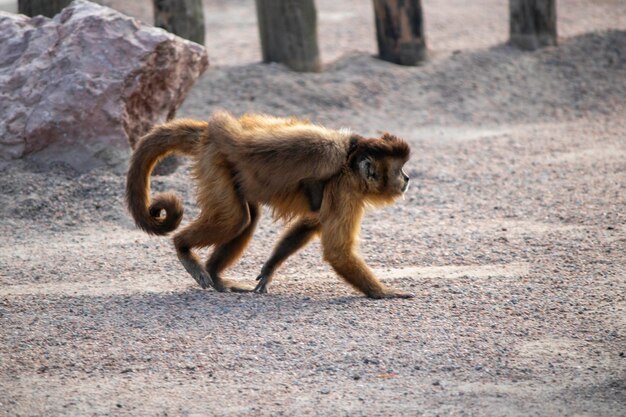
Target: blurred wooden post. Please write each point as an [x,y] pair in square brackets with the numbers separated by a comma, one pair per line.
[400,31]
[532,23]
[47,8]
[184,18]
[288,30]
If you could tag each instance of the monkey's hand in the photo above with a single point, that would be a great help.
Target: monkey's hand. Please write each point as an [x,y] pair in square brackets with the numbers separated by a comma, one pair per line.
[264,282]
[390,293]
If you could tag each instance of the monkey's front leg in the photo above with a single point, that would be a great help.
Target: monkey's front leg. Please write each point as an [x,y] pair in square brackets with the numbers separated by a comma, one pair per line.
[339,243]
[298,235]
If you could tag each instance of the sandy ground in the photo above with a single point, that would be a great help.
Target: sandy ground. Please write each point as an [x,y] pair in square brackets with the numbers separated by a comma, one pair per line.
[512,236]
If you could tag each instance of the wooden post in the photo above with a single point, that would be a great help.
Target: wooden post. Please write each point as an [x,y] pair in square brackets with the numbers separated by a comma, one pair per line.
[184,18]
[48,8]
[288,30]
[532,23]
[400,31]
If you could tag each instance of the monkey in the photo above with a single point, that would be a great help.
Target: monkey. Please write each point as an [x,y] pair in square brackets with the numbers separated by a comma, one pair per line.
[318,180]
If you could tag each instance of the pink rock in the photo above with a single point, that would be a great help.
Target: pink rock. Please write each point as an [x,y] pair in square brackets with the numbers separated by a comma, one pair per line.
[82,87]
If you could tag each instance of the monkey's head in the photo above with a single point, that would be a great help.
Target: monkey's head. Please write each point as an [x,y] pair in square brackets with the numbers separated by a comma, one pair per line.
[378,164]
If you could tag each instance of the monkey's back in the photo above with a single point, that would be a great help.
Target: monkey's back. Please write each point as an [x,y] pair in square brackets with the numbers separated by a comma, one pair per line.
[272,157]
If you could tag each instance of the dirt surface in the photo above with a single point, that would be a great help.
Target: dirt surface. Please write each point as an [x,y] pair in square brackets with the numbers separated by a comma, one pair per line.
[512,236]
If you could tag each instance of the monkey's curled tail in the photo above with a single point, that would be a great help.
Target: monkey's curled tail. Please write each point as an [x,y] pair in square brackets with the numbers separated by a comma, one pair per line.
[179,136]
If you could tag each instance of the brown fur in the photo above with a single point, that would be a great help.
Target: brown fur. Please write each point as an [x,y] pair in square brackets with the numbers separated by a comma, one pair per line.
[319,178]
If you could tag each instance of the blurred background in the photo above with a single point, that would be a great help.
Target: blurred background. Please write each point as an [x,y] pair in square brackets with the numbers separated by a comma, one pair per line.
[346,25]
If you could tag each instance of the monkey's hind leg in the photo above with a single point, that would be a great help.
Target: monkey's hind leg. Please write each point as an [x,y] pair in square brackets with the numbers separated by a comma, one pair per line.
[204,232]
[225,254]
[298,235]
[183,242]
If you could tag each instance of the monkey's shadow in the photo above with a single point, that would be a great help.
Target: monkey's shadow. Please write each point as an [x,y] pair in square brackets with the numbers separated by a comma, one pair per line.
[196,309]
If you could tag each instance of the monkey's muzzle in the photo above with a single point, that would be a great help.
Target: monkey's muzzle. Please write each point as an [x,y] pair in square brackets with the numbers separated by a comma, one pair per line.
[406,182]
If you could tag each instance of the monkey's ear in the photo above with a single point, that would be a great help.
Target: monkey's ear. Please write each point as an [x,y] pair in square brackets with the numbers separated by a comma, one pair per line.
[366,167]
[354,143]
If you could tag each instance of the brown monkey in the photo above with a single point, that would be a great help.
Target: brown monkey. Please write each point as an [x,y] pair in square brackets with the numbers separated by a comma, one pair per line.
[318,179]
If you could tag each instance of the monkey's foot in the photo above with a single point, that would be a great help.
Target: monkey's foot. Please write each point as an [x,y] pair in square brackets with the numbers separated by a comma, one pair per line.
[264,282]
[203,279]
[390,293]
[227,285]
[196,271]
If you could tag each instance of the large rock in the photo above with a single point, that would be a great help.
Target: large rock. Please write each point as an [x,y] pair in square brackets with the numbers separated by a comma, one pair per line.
[82,87]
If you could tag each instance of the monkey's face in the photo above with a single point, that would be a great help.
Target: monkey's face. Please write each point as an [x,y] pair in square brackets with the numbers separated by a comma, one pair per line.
[383,176]
[378,163]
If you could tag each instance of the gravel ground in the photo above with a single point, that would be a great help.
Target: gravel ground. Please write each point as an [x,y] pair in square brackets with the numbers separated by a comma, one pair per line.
[512,236]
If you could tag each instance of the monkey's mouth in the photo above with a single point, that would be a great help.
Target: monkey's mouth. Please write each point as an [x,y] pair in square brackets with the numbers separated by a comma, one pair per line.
[405,186]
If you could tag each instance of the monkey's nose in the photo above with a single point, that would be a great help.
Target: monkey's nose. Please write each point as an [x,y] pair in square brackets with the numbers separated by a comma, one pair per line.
[406,184]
